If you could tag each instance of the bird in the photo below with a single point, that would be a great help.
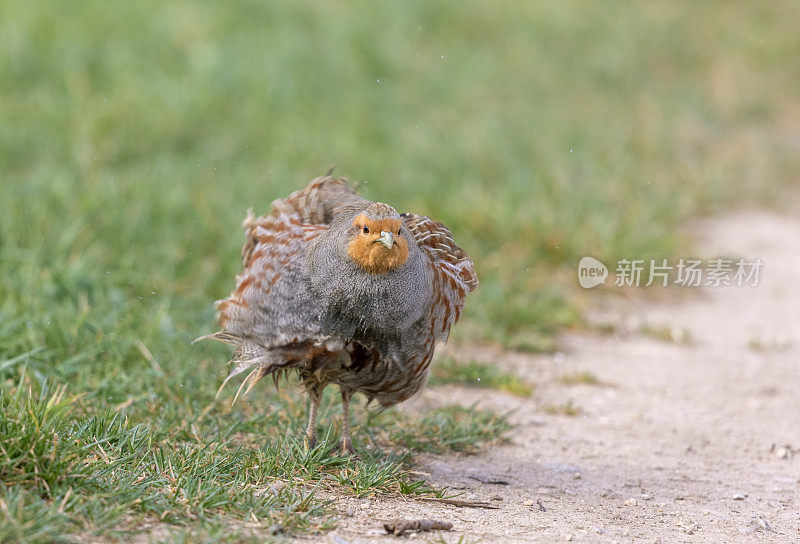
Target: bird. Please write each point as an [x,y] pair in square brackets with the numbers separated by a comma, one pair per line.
[343,291]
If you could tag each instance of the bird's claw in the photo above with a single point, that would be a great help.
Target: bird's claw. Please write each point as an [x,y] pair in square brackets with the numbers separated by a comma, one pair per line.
[311,442]
[347,447]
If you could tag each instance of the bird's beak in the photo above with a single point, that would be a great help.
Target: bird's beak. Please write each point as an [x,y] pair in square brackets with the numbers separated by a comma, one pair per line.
[387,239]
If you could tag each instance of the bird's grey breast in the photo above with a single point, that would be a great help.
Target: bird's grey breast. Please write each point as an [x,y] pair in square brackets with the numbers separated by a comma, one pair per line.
[378,309]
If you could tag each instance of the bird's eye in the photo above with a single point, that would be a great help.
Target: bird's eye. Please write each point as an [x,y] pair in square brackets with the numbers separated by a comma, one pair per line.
[366,229]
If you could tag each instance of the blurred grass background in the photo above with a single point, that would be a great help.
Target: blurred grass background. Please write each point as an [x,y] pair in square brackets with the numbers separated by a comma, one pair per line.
[134,136]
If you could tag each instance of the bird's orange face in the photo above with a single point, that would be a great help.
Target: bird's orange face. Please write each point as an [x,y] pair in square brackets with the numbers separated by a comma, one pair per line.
[377,245]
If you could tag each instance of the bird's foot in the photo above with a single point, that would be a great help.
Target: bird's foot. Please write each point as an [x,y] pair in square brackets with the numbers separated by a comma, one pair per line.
[311,442]
[346,446]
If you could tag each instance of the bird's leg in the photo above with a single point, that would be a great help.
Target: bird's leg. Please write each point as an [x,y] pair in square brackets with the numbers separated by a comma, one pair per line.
[314,395]
[346,443]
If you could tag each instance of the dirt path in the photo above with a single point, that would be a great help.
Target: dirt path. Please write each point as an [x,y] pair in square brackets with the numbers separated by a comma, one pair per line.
[682,442]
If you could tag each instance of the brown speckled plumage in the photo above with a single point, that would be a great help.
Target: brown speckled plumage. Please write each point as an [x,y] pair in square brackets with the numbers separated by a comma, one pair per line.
[323,295]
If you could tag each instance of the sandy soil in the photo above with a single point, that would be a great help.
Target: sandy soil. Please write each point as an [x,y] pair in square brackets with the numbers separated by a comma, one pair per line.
[692,435]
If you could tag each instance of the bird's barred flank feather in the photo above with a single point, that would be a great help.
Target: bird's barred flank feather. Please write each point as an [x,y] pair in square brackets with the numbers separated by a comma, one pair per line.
[281,318]
[454,271]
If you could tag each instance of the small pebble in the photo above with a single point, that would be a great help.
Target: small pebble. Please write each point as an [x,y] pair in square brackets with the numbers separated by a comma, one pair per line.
[757,524]
[783,452]
[646,497]
[528,503]
[688,526]
[576,476]
[739,496]
[568,538]
[630,502]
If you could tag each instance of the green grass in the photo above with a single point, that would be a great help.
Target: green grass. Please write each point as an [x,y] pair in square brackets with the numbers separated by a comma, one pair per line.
[66,467]
[665,333]
[475,374]
[585,377]
[567,408]
[134,136]
[453,428]
[25,517]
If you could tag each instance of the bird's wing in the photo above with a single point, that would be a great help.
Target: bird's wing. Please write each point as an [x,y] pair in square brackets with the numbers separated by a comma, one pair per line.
[454,272]
[316,204]
[270,315]
[319,201]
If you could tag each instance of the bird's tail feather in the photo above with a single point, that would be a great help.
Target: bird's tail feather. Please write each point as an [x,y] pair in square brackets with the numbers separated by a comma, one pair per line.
[275,361]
